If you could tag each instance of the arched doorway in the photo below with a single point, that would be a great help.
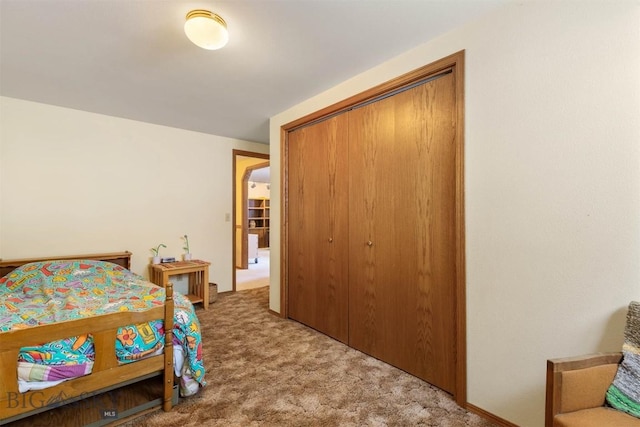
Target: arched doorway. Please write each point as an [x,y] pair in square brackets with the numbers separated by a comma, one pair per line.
[245,165]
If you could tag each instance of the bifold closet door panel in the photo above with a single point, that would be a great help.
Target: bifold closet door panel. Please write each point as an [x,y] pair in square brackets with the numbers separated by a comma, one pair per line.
[401,230]
[318,226]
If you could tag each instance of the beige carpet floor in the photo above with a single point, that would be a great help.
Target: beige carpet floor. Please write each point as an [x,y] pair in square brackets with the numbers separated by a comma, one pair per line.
[257,275]
[263,370]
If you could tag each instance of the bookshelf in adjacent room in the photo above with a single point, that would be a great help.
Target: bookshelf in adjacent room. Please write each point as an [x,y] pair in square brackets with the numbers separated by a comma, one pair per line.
[258,220]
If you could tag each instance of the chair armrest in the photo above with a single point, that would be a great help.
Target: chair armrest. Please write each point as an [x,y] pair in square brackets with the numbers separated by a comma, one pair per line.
[575,383]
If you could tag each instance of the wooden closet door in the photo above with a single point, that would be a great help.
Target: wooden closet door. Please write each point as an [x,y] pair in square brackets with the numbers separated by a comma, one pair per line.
[402,250]
[317,231]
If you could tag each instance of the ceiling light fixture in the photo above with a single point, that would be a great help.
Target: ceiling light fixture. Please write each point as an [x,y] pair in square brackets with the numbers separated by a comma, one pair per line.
[206,29]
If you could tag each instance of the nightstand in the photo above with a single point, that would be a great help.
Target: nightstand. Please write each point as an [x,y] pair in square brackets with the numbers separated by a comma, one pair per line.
[198,272]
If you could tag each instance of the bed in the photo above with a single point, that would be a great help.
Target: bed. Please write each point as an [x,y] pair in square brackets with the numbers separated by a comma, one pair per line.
[105,324]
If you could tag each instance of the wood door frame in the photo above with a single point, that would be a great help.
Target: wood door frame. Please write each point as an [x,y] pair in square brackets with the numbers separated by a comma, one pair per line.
[245,194]
[455,62]
[245,208]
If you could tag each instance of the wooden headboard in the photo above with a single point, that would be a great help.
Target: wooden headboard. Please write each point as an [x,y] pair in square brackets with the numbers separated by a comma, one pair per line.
[121,258]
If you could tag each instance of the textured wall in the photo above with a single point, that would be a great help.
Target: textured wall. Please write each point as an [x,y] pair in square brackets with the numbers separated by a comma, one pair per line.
[77,182]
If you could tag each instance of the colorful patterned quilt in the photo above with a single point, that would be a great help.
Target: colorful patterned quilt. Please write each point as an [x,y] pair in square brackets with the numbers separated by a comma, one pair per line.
[48,292]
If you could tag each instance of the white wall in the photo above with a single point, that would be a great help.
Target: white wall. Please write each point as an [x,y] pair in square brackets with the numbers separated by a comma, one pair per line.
[552,184]
[76,182]
[260,192]
[1,138]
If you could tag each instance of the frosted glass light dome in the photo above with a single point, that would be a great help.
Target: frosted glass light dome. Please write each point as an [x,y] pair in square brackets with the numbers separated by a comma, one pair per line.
[206,29]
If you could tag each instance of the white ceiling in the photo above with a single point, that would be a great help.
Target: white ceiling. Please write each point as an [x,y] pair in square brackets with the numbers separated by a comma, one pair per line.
[261,175]
[131,59]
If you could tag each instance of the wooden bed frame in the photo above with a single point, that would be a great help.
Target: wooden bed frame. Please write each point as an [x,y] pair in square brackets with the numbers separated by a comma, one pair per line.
[107,374]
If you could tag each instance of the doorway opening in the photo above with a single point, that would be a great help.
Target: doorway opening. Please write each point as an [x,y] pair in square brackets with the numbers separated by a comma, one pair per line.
[251,220]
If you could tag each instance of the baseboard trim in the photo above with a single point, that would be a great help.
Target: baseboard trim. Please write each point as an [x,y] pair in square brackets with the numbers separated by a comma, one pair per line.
[489,416]
[275,313]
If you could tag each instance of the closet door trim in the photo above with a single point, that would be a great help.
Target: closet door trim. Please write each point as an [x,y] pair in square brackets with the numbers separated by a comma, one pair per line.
[373,99]
[455,62]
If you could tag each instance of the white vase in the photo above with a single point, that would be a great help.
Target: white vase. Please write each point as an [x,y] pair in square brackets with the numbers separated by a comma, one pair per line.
[186,257]
[155,260]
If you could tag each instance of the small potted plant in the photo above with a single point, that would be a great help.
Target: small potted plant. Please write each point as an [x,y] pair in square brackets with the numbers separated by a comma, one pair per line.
[156,253]
[187,252]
